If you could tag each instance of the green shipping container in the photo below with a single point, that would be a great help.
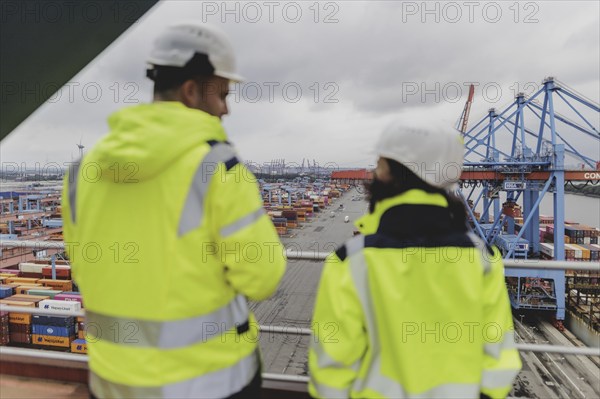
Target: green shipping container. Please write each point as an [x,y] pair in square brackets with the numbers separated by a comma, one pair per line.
[50,293]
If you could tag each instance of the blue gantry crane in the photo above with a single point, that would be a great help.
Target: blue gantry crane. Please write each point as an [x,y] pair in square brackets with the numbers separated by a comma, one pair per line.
[523,151]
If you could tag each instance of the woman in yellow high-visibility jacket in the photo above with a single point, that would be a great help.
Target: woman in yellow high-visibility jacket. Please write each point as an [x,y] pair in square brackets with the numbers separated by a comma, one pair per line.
[416,305]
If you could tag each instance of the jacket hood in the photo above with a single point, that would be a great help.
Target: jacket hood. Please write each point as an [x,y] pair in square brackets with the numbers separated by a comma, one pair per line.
[145,139]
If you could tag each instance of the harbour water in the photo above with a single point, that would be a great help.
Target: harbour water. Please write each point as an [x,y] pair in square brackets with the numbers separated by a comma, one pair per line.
[578,208]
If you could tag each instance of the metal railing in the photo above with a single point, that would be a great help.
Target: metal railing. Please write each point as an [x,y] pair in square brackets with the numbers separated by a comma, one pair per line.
[566,350]
[319,256]
[294,255]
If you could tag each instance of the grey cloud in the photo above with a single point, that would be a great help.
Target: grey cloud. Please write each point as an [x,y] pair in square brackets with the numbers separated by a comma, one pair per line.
[374,54]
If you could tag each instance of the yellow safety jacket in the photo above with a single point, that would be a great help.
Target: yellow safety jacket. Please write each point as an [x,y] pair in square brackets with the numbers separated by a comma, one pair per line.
[412,308]
[167,238]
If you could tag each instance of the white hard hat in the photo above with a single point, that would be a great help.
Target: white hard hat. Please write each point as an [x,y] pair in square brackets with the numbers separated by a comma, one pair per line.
[176,46]
[433,153]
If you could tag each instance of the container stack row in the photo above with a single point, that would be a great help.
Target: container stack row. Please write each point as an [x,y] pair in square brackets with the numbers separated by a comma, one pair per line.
[575,233]
[289,214]
[31,330]
[573,252]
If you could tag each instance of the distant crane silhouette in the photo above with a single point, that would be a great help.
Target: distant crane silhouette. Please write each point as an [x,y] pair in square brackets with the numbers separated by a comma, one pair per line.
[81,147]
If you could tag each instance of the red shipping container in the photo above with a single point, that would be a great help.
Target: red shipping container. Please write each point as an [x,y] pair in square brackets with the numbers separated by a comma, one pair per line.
[31,275]
[62,272]
[20,328]
[21,338]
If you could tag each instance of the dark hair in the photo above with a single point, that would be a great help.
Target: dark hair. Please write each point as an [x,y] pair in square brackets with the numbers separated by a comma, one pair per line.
[169,78]
[403,179]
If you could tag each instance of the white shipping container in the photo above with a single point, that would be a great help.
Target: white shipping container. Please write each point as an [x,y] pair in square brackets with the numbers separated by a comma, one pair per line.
[68,306]
[30,267]
[547,249]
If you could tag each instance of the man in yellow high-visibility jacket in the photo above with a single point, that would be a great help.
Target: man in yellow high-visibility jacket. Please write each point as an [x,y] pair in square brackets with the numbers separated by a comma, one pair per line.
[415,306]
[168,238]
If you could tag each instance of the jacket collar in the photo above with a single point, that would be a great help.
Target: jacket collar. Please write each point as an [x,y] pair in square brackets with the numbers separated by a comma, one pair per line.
[411,204]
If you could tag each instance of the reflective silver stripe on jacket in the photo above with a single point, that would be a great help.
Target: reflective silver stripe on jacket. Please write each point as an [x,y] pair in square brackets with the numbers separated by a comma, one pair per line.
[191,217]
[327,391]
[498,378]
[217,384]
[72,182]
[485,257]
[494,349]
[242,223]
[326,361]
[375,380]
[167,334]
[354,245]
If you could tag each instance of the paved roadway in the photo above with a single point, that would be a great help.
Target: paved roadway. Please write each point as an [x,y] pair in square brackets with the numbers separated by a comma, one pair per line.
[292,305]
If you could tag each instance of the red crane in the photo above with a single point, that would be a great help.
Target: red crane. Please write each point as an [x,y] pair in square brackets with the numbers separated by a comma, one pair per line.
[464,119]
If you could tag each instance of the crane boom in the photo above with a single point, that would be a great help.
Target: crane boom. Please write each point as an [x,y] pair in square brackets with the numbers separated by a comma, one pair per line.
[465,115]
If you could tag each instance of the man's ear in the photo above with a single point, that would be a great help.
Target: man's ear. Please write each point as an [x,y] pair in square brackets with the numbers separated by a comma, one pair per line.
[188,94]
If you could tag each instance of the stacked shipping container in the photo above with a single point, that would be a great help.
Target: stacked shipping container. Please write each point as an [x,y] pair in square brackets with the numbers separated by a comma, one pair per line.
[33,330]
[286,216]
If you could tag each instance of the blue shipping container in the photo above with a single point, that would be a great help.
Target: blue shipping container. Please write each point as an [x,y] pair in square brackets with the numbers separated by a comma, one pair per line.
[54,331]
[63,321]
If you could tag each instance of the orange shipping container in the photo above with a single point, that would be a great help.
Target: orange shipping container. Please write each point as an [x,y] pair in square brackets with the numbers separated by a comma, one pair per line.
[22,280]
[22,289]
[51,341]
[62,285]
[17,302]
[29,298]
[19,318]
[78,347]
[581,252]
[9,275]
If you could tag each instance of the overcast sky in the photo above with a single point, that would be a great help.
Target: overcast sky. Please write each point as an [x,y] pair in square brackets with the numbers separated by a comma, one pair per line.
[338,71]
